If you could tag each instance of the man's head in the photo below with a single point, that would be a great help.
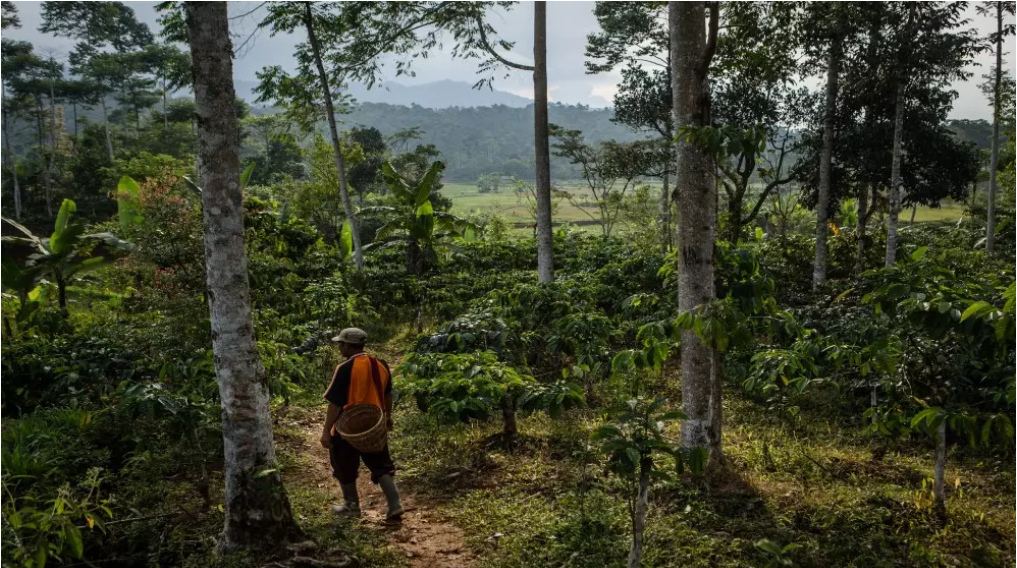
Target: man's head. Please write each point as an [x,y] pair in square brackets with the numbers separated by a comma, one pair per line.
[350,341]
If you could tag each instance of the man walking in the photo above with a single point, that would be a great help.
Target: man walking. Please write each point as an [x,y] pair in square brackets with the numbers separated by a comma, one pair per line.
[354,383]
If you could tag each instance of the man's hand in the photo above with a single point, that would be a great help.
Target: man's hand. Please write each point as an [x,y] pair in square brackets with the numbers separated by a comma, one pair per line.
[326,440]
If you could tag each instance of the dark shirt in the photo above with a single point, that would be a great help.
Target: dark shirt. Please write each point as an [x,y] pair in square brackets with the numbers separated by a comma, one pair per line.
[339,390]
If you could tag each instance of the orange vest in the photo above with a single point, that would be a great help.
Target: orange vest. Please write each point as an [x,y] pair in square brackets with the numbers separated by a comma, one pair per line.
[363,389]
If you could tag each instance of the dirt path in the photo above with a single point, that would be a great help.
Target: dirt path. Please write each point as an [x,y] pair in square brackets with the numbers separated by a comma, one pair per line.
[423,538]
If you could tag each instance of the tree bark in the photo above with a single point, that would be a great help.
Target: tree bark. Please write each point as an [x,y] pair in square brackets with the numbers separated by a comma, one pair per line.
[990,212]
[51,164]
[696,194]
[938,481]
[257,508]
[344,194]
[863,221]
[639,513]
[542,187]
[12,163]
[895,197]
[665,214]
[826,163]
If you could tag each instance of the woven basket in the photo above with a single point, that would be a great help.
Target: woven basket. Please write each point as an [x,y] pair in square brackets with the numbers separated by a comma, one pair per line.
[363,427]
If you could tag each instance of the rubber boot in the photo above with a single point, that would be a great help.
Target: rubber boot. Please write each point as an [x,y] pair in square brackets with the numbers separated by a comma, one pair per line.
[388,487]
[351,501]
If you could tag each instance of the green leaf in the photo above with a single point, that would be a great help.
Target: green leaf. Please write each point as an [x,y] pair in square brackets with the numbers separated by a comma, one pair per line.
[128,210]
[245,177]
[73,537]
[62,235]
[345,240]
[975,309]
[919,253]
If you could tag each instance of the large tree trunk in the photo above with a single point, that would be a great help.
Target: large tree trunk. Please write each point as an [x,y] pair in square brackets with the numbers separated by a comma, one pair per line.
[826,163]
[639,513]
[344,194]
[545,231]
[990,212]
[257,508]
[11,159]
[696,194]
[895,197]
[938,481]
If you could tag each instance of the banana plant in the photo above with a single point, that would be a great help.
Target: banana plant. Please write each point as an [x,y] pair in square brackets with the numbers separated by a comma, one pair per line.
[414,222]
[62,257]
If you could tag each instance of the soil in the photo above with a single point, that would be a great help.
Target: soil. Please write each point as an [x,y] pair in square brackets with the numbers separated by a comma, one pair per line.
[423,537]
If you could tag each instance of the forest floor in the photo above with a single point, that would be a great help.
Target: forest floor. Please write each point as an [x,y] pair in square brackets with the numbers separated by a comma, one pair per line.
[822,491]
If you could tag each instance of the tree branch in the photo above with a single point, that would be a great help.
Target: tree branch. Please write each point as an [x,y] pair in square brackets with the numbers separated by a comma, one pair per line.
[488,48]
[711,39]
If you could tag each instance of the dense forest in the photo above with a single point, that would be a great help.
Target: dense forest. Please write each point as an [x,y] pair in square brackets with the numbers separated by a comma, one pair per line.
[752,354]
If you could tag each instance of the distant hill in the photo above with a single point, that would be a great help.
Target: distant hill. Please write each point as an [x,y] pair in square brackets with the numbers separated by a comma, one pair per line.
[977,131]
[437,95]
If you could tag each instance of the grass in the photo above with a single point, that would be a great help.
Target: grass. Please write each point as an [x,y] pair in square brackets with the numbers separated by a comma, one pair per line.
[840,497]
[467,200]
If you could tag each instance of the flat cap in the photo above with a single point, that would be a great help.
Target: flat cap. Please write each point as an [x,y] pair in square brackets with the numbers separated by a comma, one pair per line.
[351,335]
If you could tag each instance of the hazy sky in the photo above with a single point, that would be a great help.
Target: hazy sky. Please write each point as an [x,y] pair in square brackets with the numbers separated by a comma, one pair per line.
[568,25]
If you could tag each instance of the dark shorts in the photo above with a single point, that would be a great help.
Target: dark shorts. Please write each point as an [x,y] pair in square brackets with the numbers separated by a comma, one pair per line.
[346,461]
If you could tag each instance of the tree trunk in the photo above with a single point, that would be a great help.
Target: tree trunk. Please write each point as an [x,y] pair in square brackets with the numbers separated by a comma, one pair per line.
[938,482]
[639,513]
[826,164]
[734,220]
[109,138]
[696,194]
[74,109]
[414,259]
[914,211]
[165,117]
[863,220]
[12,162]
[990,211]
[257,508]
[51,164]
[508,416]
[344,194]
[895,197]
[542,185]
[665,214]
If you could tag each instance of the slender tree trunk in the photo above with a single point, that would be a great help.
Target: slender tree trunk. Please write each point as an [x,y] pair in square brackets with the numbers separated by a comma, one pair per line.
[542,186]
[914,211]
[165,117]
[12,161]
[938,481]
[990,212]
[51,164]
[257,508]
[734,220]
[74,108]
[895,197]
[665,214]
[863,221]
[696,194]
[639,513]
[344,194]
[826,164]
[109,138]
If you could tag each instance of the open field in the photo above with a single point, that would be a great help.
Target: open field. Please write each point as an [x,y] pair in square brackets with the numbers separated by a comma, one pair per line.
[467,200]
